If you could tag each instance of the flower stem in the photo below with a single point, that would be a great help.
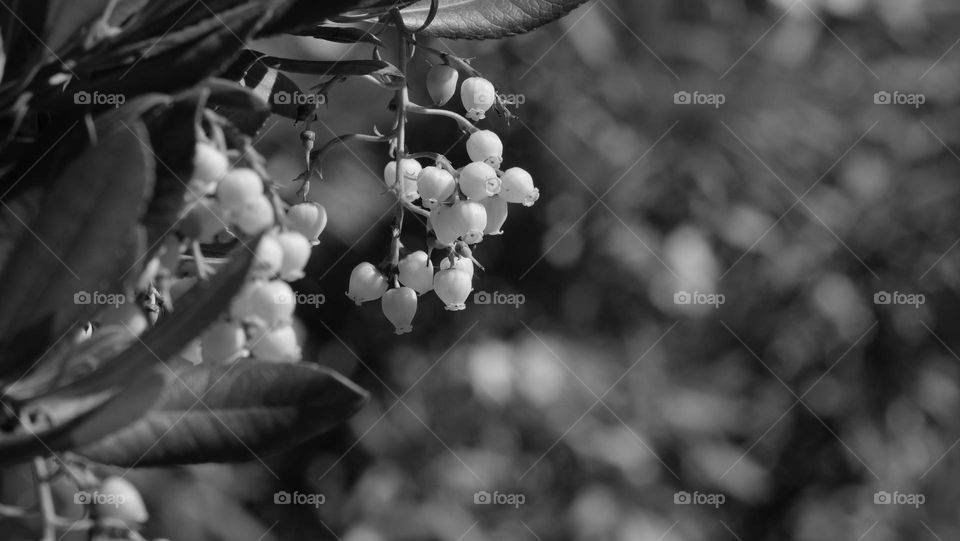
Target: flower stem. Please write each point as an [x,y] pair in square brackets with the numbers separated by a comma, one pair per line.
[463,122]
[45,498]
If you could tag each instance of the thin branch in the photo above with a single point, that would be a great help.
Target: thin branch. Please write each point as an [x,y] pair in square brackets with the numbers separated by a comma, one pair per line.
[463,122]
[45,498]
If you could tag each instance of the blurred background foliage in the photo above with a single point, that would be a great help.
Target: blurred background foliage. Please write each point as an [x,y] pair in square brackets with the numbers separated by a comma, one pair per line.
[599,398]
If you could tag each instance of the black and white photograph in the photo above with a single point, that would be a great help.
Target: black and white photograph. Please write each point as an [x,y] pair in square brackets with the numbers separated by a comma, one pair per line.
[479,270]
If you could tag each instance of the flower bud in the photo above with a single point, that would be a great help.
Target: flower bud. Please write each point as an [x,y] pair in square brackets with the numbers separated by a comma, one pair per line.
[453,286]
[446,224]
[309,219]
[255,216]
[478,96]
[366,283]
[400,305]
[479,181]
[83,332]
[517,187]
[120,500]
[442,83]
[264,303]
[222,341]
[435,186]
[416,272]
[209,166]
[485,146]
[410,170]
[496,214]
[473,220]
[275,345]
[296,254]
[239,187]
[268,258]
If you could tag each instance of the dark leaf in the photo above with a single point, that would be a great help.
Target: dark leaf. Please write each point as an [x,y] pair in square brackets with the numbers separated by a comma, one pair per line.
[74,421]
[173,133]
[22,22]
[172,491]
[195,311]
[173,70]
[244,108]
[340,34]
[332,67]
[231,95]
[299,15]
[67,362]
[154,46]
[84,237]
[69,22]
[261,72]
[14,214]
[232,412]
[144,20]
[275,89]
[486,19]
[122,388]
[67,18]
